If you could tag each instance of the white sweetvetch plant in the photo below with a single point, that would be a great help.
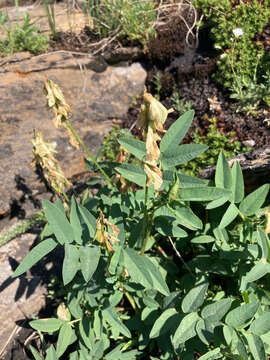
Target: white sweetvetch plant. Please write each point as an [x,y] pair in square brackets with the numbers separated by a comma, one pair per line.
[130,294]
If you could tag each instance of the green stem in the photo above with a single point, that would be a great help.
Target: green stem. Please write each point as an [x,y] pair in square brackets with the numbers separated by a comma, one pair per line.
[91,157]
[144,231]
[66,197]
[131,300]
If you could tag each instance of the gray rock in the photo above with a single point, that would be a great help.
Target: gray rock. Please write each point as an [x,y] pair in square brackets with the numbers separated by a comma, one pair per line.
[98,95]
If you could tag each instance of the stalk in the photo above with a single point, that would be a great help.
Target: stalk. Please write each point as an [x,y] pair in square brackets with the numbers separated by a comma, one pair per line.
[91,157]
[144,231]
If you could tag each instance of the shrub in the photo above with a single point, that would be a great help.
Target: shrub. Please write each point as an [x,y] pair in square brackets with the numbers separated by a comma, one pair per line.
[234,27]
[176,269]
[133,19]
[23,37]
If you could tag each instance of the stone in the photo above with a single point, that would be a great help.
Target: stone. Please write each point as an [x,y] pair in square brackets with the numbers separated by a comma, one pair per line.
[98,95]
[255,165]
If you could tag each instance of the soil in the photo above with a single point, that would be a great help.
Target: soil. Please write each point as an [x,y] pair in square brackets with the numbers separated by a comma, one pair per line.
[193,82]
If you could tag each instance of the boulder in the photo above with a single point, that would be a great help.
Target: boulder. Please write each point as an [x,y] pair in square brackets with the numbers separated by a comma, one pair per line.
[97,93]
[255,165]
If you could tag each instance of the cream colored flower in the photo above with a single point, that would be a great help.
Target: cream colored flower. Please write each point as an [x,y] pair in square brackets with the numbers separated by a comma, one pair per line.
[44,156]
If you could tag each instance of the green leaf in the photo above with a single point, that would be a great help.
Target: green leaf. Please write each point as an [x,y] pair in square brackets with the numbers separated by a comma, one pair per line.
[71,263]
[115,259]
[132,173]
[258,271]
[47,325]
[65,338]
[186,217]
[58,223]
[89,259]
[134,146]
[263,241]
[229,215]
[75,220]
[162,324]
[134,263]
[238,188]
[203,193]
[182,154]
[223,177]
[89,219]
[212,355]
[111,317]
[261,325]
[241,315]
[186,329]
[256,346]
[215,312]
[203,239]
[254,201]
[217,203]
[158,281]
[51,354]
[86,332]
[35,353]
[36,254]
[195,297]
[189,181]
[166,227]
[176,132]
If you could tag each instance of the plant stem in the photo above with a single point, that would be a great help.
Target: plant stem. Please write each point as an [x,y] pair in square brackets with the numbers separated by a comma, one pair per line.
[131,300]
[144,231]
[91,157]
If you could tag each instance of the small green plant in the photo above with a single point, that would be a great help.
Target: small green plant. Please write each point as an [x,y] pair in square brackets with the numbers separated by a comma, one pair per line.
[25,37]
[110,147]
[49,8]
[157,85]
[234,27]
[180,105]
[133,19]
[174,269]
[216,142]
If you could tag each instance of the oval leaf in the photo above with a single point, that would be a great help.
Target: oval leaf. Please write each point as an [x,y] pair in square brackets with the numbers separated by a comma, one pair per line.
[254,201]
[36,254]
[58,223]
[176,132]
[241,315]
[47,325]
[223,177]
[258,271]
[238,188]
[256,346]
[71,263]
[261,325]
[186,329]
[203,193]
[89,259]
[134,146]
[162,324]
[65,338]
[229,215]
[203,239]
[182,154]
[132,173]
[195,297]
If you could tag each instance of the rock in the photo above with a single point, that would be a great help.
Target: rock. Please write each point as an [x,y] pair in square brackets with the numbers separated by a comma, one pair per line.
[255,165]
[23,297]
[67,17]
[97,94]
